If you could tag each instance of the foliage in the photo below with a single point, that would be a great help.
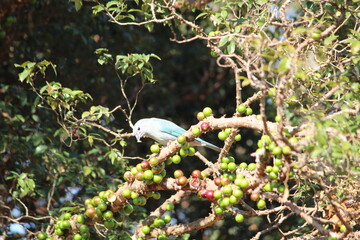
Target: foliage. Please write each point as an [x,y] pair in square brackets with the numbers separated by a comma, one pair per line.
[284,99]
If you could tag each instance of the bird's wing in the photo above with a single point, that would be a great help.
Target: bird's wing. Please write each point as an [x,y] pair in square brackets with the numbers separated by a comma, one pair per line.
[174,130]
[170,128]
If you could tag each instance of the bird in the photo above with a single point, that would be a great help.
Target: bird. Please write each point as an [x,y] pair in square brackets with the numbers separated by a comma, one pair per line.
[163,131]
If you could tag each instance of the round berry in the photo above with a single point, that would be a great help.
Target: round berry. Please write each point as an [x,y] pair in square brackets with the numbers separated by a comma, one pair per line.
[252,166]
[276,150]
[146,229]
[278,118]
[196,131]
[207,111]
[239,217]
[249,111]
[181,139]
[169,206]
[286,150]
[222,135]
[238,137]
[241,108]
[155,148]
[200,116]
[261,204]
[205,126]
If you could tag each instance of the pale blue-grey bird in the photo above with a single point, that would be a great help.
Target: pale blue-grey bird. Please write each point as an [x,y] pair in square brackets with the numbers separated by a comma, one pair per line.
[164,131]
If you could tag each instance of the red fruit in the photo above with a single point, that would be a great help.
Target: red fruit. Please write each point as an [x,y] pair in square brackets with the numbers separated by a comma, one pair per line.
[196,174]
[90,212]
[225,181]
[139,176]
[145,164]
[205,126]
[209,194]
[217,181]
[254,196]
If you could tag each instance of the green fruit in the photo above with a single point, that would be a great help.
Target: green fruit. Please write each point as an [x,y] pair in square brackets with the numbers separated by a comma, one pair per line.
[157,178]
[286,150]
[148,175]
[217,194]
[127,209]
[183,152]
[77,237]
[169,206]
[243,165]
[273,175]
[102,206]
[176,159]
[342,228]
[167,218]
[134,195]
[233,200]
[161,237]
[58,231]
[252,166]
[108,215]
[219,210]
[275,169]
[146,229]
[224,202]
[238,137]
[65,225]
[278,162]
[249,111]
[110,224]
[227,190]
[239,217]
[316,35]
[231,166]
[158,222]
[281,188]
[196,131]
[293,140]
[223,166]
[155,148]
[222,135]
[272,92]
[278,118]
[126,193]
[276,150]
[207,111]
[191,151]
[181,139]
[267,187]
[42,236]
[268,168]
[66,216]
[261,204]
[244,183]
[238,193]
[241,108]
[80,218]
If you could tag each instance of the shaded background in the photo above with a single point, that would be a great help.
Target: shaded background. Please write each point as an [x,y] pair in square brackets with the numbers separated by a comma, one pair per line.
[188,81]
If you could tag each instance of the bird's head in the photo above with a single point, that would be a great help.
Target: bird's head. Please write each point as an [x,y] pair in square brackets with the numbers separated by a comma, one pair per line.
[139,129]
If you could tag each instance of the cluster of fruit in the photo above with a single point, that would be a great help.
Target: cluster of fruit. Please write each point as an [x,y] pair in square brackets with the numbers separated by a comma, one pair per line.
[159,222]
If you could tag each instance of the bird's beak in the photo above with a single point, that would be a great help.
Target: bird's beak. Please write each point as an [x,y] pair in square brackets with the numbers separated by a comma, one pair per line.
[138,136]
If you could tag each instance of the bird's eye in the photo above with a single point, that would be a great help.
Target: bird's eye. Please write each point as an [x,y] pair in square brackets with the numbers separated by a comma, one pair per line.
[138,128]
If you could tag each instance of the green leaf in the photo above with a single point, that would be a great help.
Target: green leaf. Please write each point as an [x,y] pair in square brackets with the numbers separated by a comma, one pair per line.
[40,149]
[223,41]
[87,170]
[78,4]
[284,65]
